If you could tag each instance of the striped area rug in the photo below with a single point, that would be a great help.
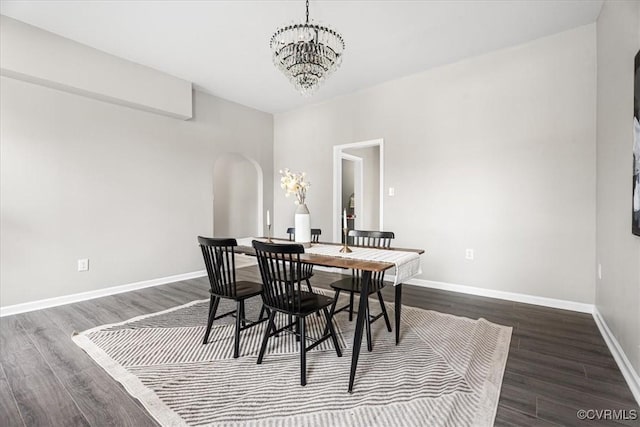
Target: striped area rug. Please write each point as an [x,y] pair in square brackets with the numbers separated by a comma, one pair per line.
[447,370]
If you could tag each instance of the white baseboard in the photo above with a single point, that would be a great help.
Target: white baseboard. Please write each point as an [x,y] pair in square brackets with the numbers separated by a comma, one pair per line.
[83,296]
[510,296]
[630,375]
[241,262]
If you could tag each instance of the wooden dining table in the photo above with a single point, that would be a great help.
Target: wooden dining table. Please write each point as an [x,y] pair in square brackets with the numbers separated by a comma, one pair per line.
[367,267]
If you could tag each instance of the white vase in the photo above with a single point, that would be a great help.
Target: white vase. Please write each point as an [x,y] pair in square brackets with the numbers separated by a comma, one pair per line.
[303,226]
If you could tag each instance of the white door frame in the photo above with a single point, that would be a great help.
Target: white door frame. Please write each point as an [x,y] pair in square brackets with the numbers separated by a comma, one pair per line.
[337,182]
[358,186]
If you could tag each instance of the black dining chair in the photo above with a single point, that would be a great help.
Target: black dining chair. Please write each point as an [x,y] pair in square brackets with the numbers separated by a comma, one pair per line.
[281,271]
[219,259]
[307,269]
[315,234]
[353,284]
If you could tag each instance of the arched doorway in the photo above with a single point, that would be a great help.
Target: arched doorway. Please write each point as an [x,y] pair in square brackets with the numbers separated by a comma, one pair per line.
[237,202]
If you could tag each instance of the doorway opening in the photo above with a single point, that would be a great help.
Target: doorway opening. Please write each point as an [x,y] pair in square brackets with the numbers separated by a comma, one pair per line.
[352,197]
[358,186]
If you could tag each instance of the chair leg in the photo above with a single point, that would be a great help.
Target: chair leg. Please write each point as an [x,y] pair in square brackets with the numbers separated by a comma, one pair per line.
[213,308]
[236,339]
[243,316]
[303,351]
[332,312]
[351,306]
[265,337]
[384,311]
[311,290]
[335,301]
[367,323]
[332,331]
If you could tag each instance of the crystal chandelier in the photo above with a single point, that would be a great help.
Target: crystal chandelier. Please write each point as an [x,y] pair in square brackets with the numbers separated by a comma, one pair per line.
[307,53]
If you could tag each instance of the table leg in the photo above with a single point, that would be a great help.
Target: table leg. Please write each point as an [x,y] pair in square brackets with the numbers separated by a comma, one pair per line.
[357,339]
[398,309]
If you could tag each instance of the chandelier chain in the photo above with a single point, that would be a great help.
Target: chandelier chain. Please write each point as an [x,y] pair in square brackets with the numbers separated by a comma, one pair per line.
[307,11]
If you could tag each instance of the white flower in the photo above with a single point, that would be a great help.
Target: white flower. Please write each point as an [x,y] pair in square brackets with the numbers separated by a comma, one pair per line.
[294,183]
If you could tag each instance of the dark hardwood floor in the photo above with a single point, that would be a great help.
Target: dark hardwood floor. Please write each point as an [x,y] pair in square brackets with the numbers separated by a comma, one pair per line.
[558,362]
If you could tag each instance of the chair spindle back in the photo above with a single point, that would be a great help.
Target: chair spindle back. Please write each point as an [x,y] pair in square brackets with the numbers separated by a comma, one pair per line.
[281,272]
[315,234]
[372,239]
[219,259]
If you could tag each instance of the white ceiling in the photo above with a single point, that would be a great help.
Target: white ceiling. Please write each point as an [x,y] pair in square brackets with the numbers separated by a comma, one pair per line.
[223,46]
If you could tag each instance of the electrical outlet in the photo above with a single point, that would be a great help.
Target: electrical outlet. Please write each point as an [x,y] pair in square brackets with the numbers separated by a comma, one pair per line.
[600,271]
[468,254]
[392,191]
[83,264]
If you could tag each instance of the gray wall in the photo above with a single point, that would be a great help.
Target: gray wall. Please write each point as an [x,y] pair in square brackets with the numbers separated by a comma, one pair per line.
[494,153]
[129,190]
[618,251]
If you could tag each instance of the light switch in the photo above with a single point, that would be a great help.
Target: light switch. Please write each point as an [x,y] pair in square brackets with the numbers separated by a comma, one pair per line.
[392,191]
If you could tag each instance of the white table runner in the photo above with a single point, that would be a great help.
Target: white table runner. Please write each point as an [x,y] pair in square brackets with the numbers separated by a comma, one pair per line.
[407,264]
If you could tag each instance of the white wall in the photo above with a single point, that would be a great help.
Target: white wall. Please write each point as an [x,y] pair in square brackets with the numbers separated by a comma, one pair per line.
[618,251]
[129,190]
[494,153]
[35,55]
